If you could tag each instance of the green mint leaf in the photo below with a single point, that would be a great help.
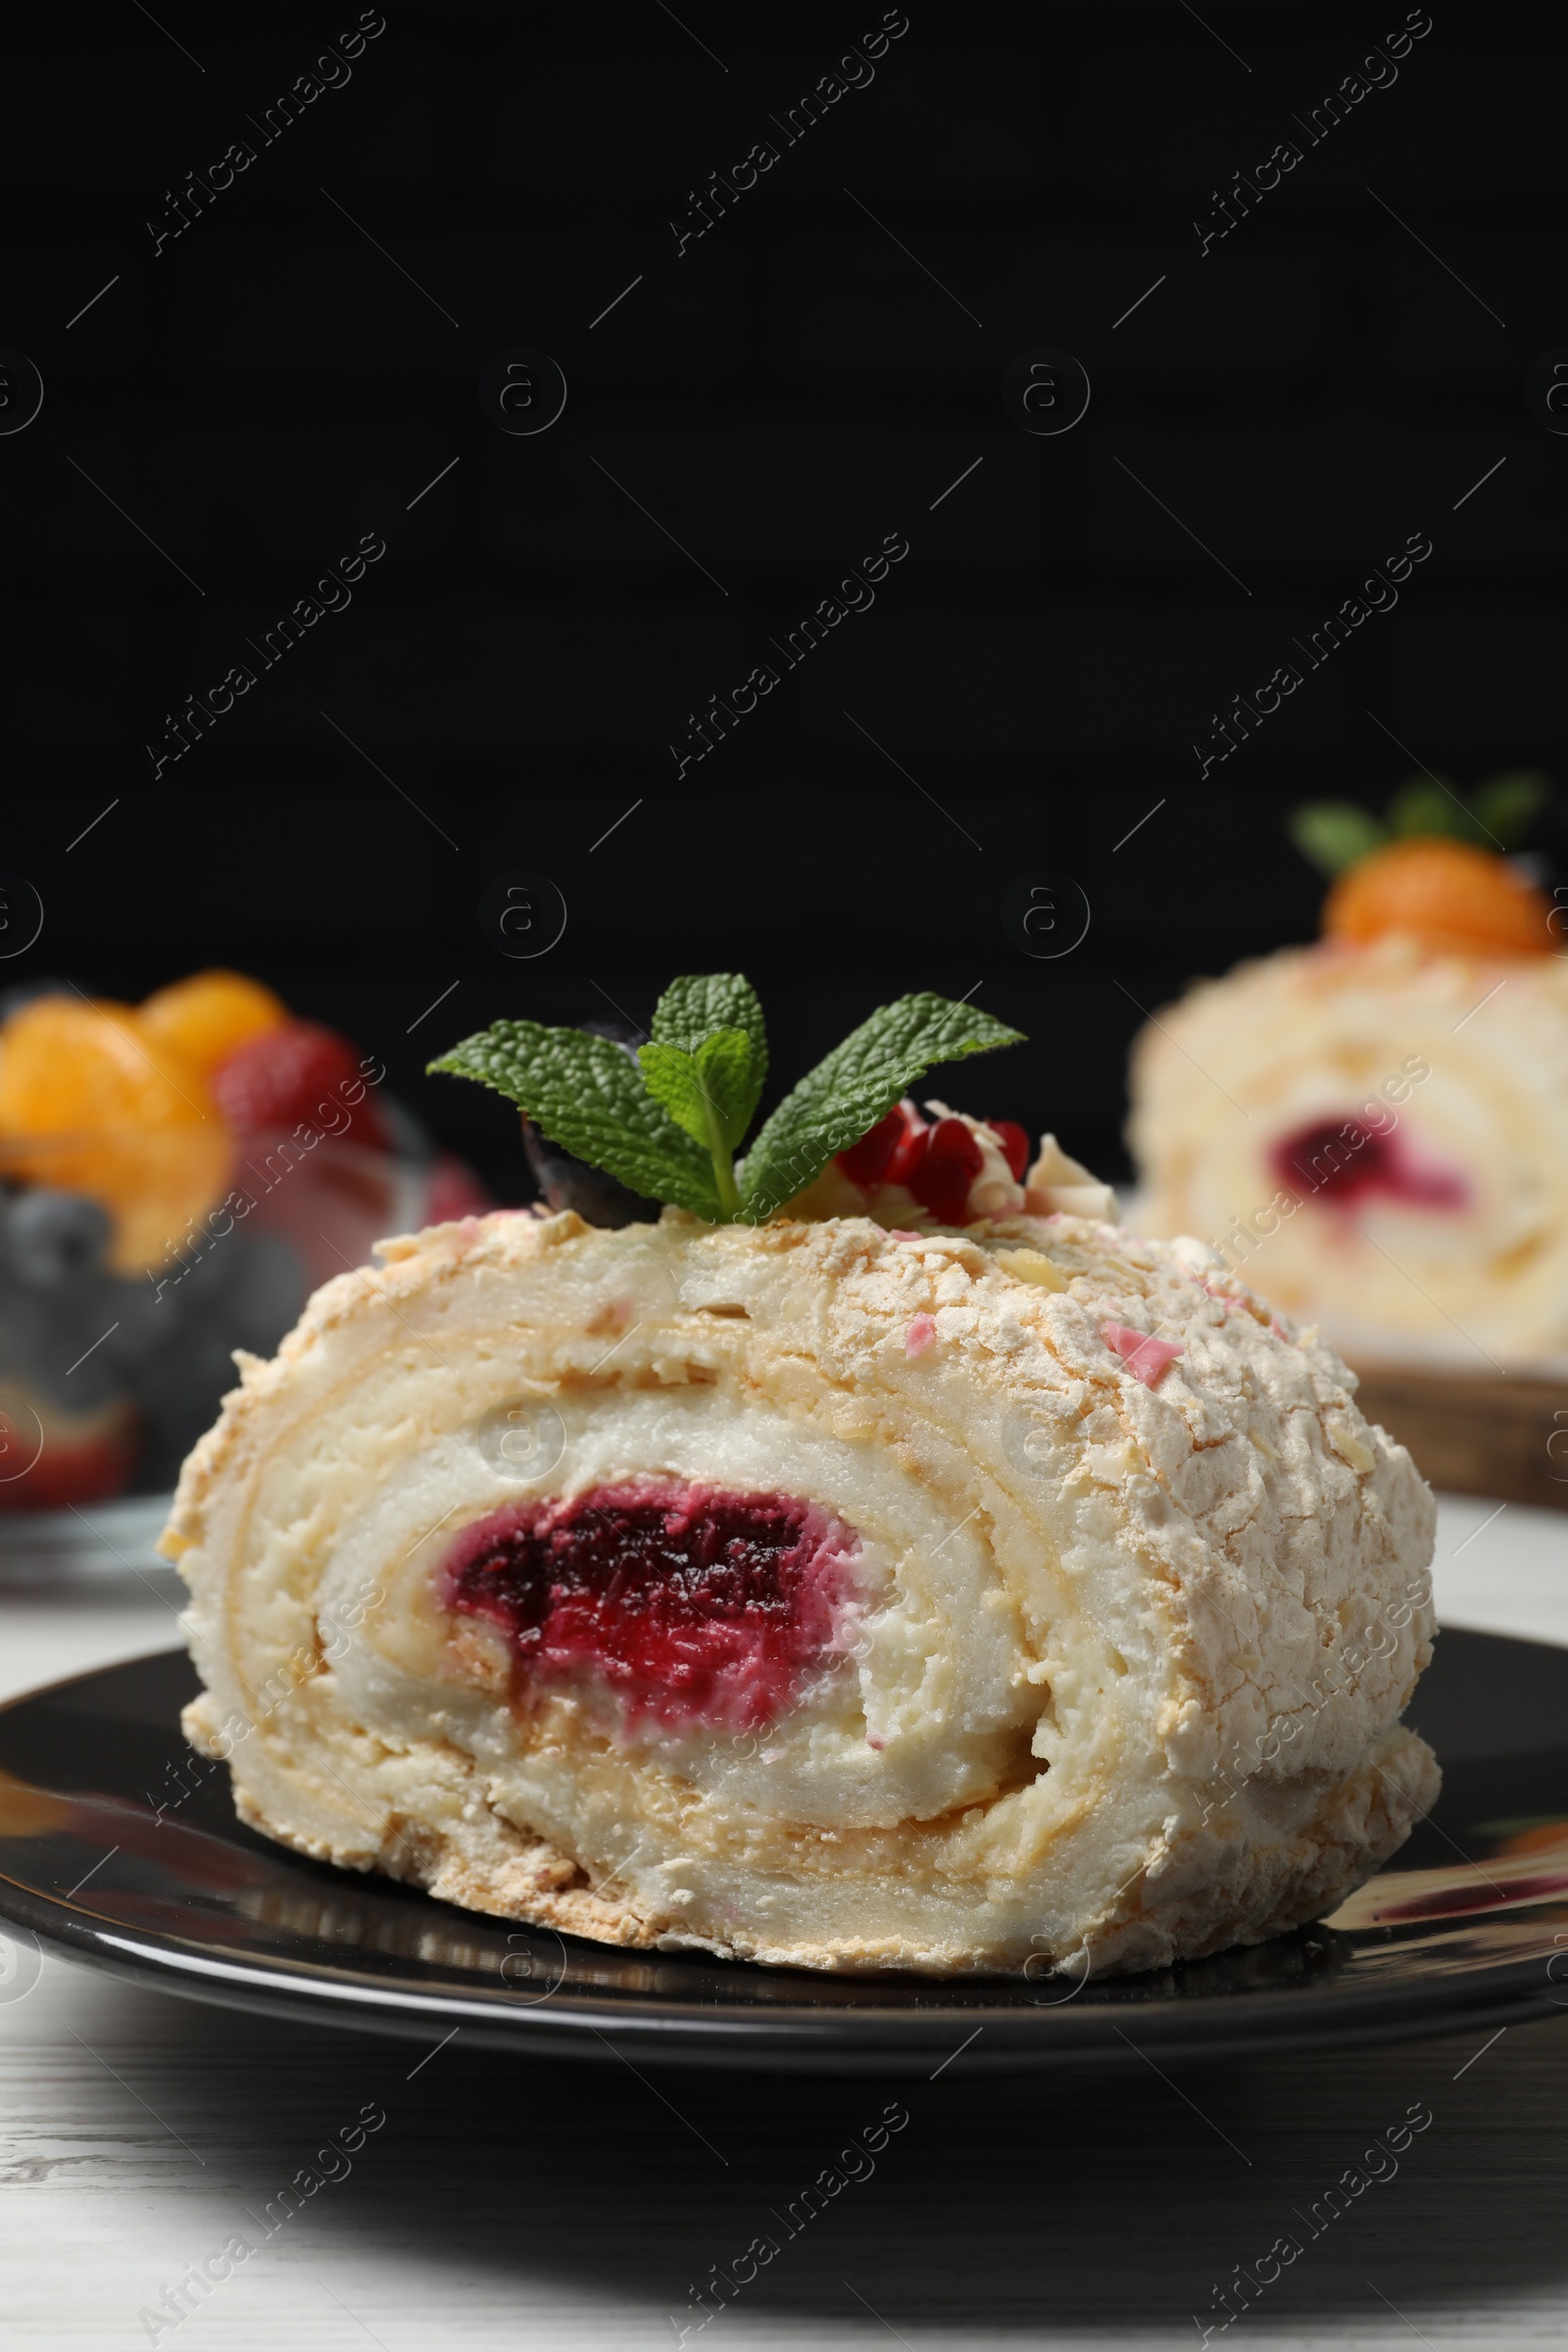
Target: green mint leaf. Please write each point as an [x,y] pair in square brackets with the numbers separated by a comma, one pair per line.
[711,1093]
[714,1019]
[858,1084]
[692,1008]
[1505,805]
[726,1064]
[1423,809]
[589,1096]
[670,1076]
[1333,835]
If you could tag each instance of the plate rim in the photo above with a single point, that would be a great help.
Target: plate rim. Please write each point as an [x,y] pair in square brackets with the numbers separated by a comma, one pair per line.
[843,2041]
[792,2033]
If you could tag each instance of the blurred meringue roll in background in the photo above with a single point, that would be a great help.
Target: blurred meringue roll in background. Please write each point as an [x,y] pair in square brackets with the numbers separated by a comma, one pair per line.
[1374,1130]
[872,1558]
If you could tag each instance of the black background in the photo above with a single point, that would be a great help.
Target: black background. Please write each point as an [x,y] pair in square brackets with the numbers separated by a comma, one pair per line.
[1303,397]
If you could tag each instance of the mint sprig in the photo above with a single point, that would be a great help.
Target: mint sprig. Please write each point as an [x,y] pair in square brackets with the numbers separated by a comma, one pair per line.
[705,1062]
[589,1098]
[1335,835]
[669,1124]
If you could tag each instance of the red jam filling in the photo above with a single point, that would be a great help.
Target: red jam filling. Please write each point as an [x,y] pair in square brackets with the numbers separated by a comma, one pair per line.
[1341,1162]
[697,1608]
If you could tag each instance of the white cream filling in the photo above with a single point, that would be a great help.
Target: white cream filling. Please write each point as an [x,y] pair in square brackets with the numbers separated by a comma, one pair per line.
[921,1717]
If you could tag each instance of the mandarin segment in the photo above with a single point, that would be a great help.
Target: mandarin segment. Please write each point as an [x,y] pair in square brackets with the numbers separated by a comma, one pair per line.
[1446,894]
[91,1104]
[206,1017]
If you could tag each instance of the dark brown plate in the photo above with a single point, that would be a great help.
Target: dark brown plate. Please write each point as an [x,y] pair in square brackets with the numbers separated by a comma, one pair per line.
[118,1848]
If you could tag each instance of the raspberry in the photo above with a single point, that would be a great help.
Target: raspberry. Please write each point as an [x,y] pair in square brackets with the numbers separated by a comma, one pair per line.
[299,1075]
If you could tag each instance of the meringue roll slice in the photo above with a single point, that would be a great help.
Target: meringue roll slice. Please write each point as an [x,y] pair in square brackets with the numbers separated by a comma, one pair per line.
[1376,1136]
[816,1593]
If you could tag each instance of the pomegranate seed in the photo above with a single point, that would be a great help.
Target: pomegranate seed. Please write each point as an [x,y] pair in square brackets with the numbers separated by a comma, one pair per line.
[949,1165]
[1015,1143]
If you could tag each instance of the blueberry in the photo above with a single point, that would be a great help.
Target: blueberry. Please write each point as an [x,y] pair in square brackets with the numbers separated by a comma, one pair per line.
[13,998]
[55,1238]
[569,1183]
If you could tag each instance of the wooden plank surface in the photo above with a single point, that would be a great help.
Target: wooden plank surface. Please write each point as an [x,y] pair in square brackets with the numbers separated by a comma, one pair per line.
[516,2204]
[1494,1436]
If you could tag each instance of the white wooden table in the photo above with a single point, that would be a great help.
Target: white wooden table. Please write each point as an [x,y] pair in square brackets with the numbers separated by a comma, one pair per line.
[526,2204]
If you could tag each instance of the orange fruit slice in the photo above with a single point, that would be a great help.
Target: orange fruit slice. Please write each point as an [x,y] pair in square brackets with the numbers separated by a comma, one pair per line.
[205,1017]
[1446,894]
[91,1104]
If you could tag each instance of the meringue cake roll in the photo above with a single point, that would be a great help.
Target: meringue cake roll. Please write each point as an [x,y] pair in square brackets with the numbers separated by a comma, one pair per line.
[813,1593]
[1377,1139]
